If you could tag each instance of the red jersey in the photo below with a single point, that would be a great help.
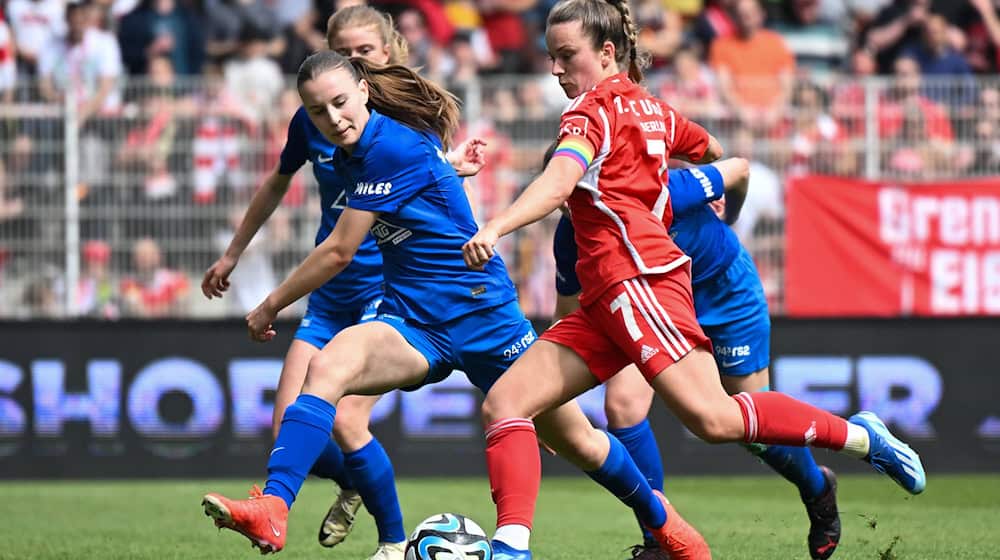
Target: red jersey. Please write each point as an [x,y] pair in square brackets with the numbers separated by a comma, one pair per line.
[620,208]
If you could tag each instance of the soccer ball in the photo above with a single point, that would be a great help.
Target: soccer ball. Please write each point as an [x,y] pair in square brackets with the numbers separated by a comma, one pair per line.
[448,536]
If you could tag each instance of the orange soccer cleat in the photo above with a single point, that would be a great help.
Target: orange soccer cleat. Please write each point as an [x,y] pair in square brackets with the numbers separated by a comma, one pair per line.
[678,538]
[261,518]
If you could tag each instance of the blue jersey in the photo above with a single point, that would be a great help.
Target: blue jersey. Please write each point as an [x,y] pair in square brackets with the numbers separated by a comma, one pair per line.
[424,218]
[696,229]
[361,281]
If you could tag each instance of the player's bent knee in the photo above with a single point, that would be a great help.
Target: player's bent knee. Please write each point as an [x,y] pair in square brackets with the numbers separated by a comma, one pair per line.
[626,411]
[714,427]
[326,376]
[498,408]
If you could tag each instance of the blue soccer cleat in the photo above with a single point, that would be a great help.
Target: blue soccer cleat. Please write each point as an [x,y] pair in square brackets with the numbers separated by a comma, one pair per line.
[503,551]
[889,455]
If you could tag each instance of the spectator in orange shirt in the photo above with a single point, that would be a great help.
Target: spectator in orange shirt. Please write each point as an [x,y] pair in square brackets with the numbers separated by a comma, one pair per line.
[754,68]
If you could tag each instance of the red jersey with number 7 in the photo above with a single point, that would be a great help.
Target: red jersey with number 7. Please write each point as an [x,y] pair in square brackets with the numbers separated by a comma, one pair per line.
[622,137]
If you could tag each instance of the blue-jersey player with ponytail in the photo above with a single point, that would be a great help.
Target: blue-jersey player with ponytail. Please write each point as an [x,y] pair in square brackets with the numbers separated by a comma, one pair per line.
[353,458]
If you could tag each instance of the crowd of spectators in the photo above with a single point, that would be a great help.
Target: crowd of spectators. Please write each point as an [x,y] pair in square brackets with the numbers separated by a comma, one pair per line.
[182,105]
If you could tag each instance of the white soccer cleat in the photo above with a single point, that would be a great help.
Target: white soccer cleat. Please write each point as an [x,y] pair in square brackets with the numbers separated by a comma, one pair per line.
[389,551]
[340,519]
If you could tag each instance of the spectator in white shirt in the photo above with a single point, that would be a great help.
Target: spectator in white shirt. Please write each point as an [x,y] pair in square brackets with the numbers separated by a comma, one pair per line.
[87,62]
[8,67]
[35,23]
[254,77]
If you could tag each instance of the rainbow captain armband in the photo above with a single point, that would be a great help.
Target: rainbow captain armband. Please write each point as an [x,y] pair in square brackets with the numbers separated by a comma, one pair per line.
[577,149]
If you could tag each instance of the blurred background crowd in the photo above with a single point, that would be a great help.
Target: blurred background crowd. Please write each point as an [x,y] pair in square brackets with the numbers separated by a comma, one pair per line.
[133,132]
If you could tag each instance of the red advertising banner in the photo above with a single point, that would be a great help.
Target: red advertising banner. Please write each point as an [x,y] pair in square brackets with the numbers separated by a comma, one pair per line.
[880,249]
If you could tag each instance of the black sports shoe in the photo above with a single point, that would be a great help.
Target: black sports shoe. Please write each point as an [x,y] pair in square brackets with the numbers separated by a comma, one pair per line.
[648,551]
[824,520]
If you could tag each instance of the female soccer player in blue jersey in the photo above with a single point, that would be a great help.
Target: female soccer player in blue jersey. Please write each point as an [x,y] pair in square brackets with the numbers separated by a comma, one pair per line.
[437,315]
[352,297]
[730,305]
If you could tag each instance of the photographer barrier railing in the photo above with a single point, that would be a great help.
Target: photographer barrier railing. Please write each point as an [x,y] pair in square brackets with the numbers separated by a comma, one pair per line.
[118,213]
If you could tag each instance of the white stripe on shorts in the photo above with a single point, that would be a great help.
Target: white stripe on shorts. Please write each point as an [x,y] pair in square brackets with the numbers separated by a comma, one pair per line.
[650,302]
[673,328]
[665,338]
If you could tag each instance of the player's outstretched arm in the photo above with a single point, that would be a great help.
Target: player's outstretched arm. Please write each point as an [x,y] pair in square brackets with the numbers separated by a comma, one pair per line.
[736,178]
[328,259]
[262,205]
[542,197]
[713,152]
[469,157]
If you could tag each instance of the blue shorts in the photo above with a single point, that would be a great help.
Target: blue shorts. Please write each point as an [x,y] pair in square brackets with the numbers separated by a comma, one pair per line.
[482,344]
[319,327]
[732,310]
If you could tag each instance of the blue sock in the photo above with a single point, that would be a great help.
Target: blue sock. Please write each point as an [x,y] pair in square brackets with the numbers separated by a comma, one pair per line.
[798,466]
[304,432]
[331,465]
[620,475]
[371,472]
[640,442]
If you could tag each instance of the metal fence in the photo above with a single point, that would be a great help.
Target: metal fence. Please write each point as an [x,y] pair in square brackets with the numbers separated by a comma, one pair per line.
[118,214]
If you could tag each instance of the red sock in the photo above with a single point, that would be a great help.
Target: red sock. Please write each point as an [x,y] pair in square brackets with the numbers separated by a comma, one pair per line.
[777,419]
[515,469]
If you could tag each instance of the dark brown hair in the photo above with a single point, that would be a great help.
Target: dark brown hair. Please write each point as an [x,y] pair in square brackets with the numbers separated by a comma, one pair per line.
[395,91]
[606,20]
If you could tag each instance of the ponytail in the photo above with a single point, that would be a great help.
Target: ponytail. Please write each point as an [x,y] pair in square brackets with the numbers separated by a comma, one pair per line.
[395,91]
[632,36]
[400,93]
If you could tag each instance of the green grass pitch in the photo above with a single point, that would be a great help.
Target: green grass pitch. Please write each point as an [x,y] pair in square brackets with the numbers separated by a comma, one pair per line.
[958,517]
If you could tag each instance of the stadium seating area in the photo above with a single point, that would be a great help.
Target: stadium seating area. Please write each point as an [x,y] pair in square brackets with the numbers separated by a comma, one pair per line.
[121,181]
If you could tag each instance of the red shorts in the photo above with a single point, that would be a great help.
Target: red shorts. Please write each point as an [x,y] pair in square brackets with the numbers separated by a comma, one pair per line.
[646,320]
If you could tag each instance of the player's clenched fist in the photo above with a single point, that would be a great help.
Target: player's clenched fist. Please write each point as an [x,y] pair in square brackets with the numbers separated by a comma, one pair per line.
[478,250]
[260,322]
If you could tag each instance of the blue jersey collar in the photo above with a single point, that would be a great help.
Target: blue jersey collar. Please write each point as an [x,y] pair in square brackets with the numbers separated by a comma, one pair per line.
[368,134]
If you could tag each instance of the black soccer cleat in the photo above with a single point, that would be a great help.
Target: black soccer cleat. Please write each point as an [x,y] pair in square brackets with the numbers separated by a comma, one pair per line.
[648,551]
[824,519]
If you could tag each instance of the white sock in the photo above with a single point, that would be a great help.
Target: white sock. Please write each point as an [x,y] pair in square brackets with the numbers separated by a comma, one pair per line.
[515,536]
[857,444]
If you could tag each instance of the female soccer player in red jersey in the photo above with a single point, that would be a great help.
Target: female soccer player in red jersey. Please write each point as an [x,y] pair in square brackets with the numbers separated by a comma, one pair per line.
[636,304]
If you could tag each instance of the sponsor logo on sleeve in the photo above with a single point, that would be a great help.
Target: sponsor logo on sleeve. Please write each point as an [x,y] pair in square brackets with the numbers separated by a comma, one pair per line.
[574,126]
